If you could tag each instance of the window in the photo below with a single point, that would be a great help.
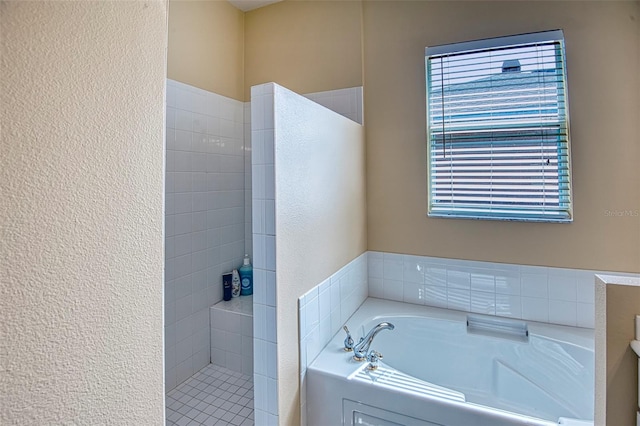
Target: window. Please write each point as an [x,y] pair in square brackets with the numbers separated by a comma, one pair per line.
[498,129]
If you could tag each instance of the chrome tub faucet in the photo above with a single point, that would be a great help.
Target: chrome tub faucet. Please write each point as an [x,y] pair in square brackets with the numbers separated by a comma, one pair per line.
[361,349]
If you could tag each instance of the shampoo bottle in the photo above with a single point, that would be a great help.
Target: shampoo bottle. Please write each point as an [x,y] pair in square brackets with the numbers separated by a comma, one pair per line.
[235,283]
[246,276]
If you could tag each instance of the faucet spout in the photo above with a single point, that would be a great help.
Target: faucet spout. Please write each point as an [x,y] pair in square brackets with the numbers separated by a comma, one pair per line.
[361,349]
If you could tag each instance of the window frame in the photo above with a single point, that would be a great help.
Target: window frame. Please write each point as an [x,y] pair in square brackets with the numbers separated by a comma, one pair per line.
[564,212]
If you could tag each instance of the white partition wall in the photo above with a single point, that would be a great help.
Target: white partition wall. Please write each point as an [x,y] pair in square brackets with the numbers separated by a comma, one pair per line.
[308,204]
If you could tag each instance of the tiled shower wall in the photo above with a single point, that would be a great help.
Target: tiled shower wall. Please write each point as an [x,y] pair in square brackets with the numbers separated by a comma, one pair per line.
[205,218]
[265,371]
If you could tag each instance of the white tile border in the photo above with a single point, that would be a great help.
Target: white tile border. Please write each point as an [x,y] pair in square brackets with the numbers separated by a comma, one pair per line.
[554,295]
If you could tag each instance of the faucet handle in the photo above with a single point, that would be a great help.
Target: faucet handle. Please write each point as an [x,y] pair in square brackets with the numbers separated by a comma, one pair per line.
[373,357]
[348,341]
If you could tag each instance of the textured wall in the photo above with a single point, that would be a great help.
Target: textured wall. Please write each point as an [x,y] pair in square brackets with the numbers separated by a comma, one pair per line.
[618,302]
[81,183]
[206,46]
[307,46]
[603,60]
[319,217]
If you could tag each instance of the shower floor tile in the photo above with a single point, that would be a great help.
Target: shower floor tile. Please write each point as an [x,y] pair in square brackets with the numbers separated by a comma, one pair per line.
[214,396]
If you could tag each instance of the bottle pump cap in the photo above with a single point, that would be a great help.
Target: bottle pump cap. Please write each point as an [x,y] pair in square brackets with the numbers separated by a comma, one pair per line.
[246,260]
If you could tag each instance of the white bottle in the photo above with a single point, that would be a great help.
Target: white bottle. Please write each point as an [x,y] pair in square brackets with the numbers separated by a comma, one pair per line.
[235,284]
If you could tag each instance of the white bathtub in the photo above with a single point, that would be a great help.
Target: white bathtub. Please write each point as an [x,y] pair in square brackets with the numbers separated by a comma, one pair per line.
[436,371]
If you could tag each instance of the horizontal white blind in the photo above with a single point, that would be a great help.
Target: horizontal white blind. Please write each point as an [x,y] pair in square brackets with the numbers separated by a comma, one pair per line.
[498,135]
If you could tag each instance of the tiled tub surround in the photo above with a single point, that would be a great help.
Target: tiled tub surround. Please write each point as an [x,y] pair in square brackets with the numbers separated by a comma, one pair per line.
[324,310]
[544,294]
[232,334]
[205,218]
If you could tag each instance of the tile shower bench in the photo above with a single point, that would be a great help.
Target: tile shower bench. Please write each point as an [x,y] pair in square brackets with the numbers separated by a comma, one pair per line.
[232,334]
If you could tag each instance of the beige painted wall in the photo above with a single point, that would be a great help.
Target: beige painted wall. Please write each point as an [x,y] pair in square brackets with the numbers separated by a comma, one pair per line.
[81,184]
[307,46]
[616,363]
[603,62]
[206,46]
[320,217]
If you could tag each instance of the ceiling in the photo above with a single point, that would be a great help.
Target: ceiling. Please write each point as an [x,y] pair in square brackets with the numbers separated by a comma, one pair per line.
[247,5]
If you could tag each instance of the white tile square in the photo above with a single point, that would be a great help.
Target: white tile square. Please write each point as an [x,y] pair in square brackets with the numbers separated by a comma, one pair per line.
[535,309]
[392,268]
[457,279]
[234,343]
[508,305]
[413,270]
[270,217]
[258,219]
[313,344]
[171,94]
[259,286]
[483,302]
[458,299]
[563,312]
[199,123]
[312,316]
[247,325]
[260,348]
[534,285]
[324,285]
[393,290]
[413,293]
[435,296]
[585,315]
[483,280]
[269,182]
[271,324]
[183,120]
[269,147]
[260,392]
[336,318]
[324,304]
[507,282]
[376,288]
[171,118]
[271,288]
[562,287]
[260,321]
[270,245]
[325,332]
[435,275]
[267,104]
[184,350]
[585,286]
[259,251]
[272,360]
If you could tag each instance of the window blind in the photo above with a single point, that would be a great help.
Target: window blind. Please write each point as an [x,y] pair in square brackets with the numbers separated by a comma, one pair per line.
[498,129]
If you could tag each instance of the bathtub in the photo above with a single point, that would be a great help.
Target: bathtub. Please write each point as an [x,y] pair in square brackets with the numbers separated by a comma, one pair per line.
[438,370]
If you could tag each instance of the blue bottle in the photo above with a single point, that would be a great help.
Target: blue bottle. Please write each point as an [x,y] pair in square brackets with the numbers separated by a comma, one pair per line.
[226,286]
[246,277]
